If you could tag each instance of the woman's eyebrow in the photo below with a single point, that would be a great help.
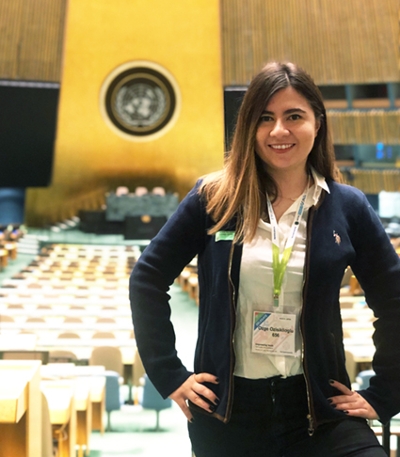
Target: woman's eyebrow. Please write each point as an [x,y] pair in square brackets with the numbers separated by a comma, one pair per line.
[288,111]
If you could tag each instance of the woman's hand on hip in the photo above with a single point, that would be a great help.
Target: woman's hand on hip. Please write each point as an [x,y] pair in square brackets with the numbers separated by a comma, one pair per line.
[194,390]
[351,402]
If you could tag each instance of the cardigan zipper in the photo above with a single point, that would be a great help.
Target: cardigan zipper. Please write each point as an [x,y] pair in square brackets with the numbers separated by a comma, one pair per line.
[233,320]
[310,416]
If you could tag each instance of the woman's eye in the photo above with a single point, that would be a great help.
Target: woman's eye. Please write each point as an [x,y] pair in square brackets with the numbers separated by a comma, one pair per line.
[265,118]
[294,117]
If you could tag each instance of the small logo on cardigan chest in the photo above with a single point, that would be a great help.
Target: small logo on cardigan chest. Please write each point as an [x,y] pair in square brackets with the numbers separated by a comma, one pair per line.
[337,238]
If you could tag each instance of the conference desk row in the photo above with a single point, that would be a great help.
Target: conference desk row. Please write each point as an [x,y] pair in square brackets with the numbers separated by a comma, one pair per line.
[76,279]
[57,325]
[8,251]
[55,331]
[69,299]
[64,311]
[42,402]
[81,347]
[15,286]
[87,253]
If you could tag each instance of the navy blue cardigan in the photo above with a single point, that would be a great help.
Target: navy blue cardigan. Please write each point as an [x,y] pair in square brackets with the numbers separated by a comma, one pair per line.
[364,245]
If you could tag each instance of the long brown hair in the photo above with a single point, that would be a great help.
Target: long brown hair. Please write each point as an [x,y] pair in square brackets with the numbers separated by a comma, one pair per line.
[240,188]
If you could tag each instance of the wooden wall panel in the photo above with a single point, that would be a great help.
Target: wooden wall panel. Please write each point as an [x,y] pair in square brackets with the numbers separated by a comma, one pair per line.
[365,127]
[31,39]
[337,42]
[374,181]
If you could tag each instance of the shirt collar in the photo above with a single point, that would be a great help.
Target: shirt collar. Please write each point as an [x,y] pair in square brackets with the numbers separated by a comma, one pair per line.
[319,185]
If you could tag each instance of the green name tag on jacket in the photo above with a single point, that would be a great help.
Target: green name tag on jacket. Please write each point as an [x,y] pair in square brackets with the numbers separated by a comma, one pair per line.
[224,236]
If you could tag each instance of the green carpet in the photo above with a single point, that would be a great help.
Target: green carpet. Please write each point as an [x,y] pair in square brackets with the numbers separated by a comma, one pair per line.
[133,428]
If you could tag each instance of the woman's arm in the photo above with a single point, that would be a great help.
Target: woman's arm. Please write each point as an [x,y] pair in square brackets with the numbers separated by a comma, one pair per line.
[377,268]
[181,238]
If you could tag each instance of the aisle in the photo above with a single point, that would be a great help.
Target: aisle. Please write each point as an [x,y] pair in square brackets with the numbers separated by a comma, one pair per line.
[132,433]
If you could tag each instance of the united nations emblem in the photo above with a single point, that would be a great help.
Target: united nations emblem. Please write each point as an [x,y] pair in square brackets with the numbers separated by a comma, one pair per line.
[140,101]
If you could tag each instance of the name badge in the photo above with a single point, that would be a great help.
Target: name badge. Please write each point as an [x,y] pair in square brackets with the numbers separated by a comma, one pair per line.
[224,236]
[273,333]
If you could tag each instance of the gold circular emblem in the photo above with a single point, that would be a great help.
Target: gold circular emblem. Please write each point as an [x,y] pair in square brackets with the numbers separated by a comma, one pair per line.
[140,101]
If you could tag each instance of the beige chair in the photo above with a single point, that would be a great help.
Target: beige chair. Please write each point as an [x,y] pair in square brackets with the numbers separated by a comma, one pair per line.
[105,320]
[138,373]
[346,334]
[60,356]
[99,335]
[158,191]
[109,308]
[108,356]
[36,320]
[351,366]
[73,320]
[68,335]
[355,288]
[346,303]
[346,277]
[121,190]
[140,191]
[26,355]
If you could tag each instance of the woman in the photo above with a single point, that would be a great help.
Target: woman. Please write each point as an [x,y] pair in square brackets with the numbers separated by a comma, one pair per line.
[274,233]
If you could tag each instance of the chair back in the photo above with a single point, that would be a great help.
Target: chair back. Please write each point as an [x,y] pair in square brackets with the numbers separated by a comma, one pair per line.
[152,399]
[363,378]
[102,335]
[108,356]
[351,366]
[36,320]
[138,369]
[60,356]
[121,190]
[105,320]
[68,335]
[73,320]
[113,399]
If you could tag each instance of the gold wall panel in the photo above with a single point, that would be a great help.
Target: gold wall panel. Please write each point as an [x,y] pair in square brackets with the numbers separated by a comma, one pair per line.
[374,181]
[182,37]
[365,127]
[337,42]
[31,39]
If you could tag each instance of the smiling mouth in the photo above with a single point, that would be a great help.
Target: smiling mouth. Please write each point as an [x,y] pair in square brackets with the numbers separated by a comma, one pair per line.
[281,147]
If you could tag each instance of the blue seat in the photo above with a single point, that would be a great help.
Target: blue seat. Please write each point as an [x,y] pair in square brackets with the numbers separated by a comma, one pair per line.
[113,397]
[153,400]
[363,378]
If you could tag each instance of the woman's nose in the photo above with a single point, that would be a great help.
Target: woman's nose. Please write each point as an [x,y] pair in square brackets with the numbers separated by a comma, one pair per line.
[279,129]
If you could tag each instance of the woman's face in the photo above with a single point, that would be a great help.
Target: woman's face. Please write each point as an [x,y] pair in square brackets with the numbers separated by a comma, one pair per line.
[286,132]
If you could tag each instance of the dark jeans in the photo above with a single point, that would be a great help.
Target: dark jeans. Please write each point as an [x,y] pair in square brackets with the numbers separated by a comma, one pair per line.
[269,419]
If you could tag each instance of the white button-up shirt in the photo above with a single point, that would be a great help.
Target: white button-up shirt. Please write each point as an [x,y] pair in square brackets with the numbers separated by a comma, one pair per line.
[256,291]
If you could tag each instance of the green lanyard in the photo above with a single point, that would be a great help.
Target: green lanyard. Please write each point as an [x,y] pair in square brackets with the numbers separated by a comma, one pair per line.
[279,263]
